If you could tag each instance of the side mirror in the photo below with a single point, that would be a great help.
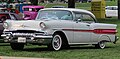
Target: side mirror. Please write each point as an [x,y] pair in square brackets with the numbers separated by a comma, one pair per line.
[78,20]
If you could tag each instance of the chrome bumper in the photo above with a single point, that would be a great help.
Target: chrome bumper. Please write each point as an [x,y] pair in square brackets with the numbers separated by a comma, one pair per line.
[28,38]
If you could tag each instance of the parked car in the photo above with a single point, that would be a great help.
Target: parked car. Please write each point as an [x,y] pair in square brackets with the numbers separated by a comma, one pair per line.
[9,16]
[3,5]
[30,12]
[59,28]
[9,10]
[112,11]
[19,7]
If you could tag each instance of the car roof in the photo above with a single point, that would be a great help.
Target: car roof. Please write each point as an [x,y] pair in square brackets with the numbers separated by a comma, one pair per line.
[70,9]
[6,13]
[32,6]
[111,6]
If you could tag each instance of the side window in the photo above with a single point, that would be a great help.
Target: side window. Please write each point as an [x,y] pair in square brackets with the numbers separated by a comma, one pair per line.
[109,8]
[115,8]
[84,18]
[66,15]
[26,9]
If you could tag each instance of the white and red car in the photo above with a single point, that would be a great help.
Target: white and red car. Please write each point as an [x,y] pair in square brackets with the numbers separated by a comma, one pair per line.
[59,27]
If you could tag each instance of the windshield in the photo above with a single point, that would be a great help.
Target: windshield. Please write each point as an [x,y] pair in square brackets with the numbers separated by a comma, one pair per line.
[54,15]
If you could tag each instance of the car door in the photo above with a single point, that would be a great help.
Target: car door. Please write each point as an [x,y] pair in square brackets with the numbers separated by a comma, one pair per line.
[82,28]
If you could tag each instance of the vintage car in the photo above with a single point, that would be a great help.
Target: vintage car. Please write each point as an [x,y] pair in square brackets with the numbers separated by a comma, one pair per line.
[9,10]
[111,11]
[9,16]
[30,12]
[59,28]
[20,6]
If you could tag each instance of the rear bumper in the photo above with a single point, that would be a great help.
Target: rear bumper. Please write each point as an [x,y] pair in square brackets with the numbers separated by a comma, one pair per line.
[116,39]
[27,38]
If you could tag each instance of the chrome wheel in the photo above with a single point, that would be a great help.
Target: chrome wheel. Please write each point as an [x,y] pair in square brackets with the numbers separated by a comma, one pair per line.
[102,45]
[57,42]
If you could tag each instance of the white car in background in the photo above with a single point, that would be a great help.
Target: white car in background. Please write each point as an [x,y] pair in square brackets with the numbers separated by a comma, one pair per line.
[112,11]
[59,28]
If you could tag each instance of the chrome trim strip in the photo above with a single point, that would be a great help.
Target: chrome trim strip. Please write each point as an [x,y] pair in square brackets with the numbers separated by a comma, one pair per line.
[47,37]
[28,35]
[3,35]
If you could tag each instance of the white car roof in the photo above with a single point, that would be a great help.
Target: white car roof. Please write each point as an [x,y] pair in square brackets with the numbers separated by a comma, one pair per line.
[70,9]
[112,6]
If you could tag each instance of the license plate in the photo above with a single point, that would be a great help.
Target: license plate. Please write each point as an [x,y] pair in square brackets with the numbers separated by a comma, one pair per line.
[21,39]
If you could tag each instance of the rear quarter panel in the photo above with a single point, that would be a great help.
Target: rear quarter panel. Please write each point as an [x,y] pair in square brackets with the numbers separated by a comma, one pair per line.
[107,35]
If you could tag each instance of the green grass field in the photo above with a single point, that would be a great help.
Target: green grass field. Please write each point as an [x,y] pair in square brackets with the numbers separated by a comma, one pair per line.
[112,51]
[86,6]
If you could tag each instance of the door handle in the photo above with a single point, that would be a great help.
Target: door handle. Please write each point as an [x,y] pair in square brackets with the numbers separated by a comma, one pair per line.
[88,24]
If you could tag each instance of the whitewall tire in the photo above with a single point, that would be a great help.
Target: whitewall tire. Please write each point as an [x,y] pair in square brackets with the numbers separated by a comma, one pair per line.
[100,45]
[56,43]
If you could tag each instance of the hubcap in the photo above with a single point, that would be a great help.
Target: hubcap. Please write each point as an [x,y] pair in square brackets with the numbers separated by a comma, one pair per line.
[57,42]
[102,45]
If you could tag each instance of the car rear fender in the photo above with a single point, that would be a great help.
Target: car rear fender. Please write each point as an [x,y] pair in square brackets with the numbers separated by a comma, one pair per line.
[104,38]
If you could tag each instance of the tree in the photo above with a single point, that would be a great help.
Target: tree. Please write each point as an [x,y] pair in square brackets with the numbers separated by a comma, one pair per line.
[71,3]
[9,1]
[119,9]
[34,2]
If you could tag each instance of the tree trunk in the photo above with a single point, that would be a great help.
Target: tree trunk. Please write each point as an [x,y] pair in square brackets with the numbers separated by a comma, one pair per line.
[34,2]
[71,3]
[119,9]
[9,1]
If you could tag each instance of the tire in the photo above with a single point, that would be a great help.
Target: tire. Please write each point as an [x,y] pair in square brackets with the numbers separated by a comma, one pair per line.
[17,46]
[56,43]
[100,45]
[3,19]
